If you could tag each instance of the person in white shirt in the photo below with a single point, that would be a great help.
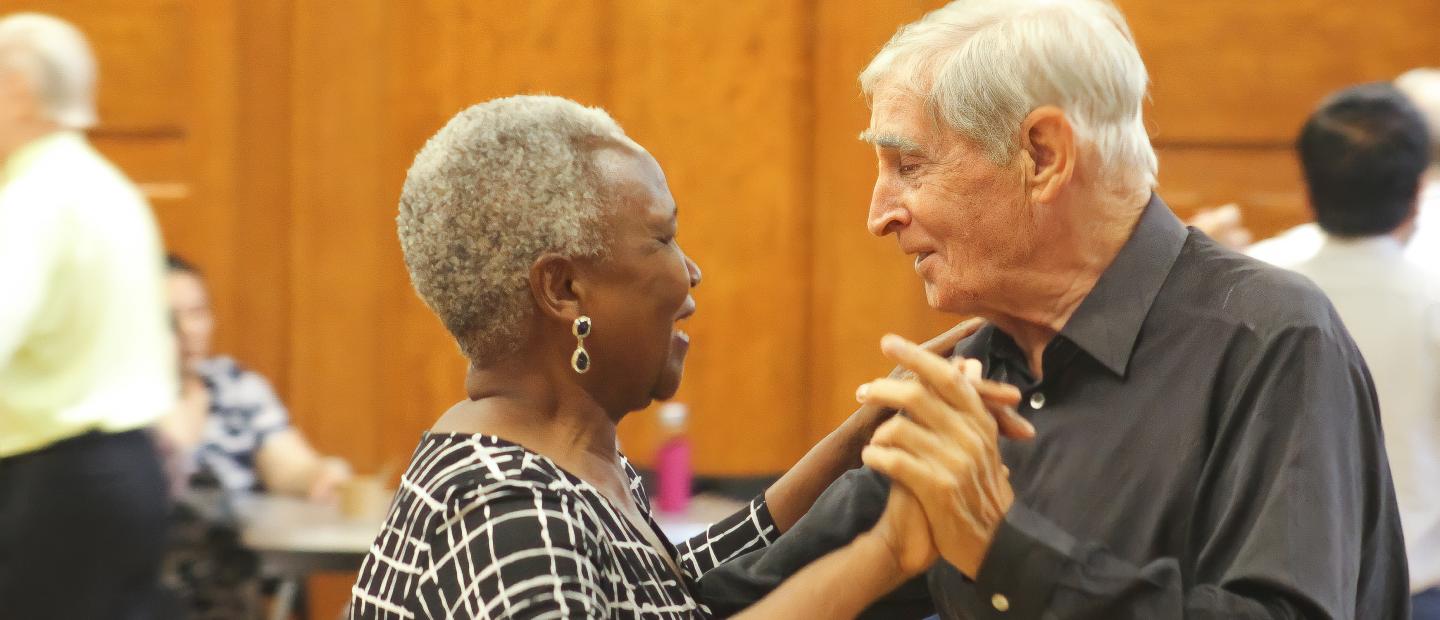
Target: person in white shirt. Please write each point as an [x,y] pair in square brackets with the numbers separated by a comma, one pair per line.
[87,360]
[1364,152]
[1297,244]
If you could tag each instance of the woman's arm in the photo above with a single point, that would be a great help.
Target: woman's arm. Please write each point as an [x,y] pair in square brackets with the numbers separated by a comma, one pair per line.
[844,582]
[793,494]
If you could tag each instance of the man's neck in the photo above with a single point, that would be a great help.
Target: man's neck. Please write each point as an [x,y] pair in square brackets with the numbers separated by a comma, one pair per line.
[17,136]
[1078,246]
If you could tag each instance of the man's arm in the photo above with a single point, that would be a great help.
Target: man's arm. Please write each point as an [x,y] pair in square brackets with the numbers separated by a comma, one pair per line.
[29,240]
[1295,515]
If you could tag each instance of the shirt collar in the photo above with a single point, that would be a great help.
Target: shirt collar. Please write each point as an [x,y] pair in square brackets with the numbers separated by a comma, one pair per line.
[1108,321]
[1382,245]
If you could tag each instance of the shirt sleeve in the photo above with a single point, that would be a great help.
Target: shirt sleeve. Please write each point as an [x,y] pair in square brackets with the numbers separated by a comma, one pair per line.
[747,530]
[513,551]
[1295,514]
[30,237]
[850,506]
[268,413]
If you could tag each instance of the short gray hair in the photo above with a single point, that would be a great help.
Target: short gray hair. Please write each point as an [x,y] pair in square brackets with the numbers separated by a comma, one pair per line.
[983,65]
[502,183]
[54,56]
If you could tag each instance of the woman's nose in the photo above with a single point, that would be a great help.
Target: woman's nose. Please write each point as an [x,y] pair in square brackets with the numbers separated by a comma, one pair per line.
[694,270]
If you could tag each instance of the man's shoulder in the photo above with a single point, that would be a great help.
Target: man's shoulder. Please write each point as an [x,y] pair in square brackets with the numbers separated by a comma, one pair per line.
[72,172]
[1240,290]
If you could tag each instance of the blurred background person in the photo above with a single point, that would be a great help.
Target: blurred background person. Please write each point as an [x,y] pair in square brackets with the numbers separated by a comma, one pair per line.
[229,421]
[1364,153]
[86,358]
[230,433]
[1293,246]
[1422,86]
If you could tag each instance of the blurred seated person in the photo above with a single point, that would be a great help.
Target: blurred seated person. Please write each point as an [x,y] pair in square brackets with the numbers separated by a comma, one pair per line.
[231,428]
[229,432]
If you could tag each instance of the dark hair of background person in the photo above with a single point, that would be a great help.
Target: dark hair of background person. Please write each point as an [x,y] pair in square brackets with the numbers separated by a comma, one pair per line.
[1363,153]
[174,262]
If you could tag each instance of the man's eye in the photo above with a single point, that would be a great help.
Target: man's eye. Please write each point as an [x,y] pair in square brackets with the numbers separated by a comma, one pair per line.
[908,168]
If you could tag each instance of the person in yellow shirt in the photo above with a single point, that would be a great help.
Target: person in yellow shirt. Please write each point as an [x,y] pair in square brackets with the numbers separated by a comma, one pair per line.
[87,360]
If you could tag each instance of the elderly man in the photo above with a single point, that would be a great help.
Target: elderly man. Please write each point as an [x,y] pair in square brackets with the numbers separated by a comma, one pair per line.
[1207,442]
[86,357]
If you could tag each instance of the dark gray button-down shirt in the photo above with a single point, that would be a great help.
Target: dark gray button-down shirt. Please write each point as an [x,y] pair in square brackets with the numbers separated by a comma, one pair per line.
[1208,446]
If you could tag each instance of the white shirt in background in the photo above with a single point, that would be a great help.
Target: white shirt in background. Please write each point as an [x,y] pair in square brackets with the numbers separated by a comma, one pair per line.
[1391,306]
[85,340]
[1302,242]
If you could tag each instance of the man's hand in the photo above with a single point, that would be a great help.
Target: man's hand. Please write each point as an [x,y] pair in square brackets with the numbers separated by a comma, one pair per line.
[944,450]
[1000,399]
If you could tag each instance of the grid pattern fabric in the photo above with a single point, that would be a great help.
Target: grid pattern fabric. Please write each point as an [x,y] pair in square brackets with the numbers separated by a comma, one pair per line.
[484,528]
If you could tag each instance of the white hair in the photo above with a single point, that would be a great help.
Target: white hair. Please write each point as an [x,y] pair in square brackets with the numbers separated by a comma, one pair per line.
[54,56]
[502,183]
[1422,86]
[983,65]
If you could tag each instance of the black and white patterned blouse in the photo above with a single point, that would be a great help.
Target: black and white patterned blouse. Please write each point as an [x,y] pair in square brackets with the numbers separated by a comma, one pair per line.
[484,528]
[244,412]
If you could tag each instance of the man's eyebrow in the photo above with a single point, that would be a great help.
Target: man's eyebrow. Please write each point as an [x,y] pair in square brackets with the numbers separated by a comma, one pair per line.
[890,141]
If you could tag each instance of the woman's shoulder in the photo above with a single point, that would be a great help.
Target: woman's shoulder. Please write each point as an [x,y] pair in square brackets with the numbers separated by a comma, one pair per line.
[460,470]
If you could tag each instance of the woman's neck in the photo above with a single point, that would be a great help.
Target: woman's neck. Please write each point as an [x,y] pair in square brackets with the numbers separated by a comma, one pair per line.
[546,412]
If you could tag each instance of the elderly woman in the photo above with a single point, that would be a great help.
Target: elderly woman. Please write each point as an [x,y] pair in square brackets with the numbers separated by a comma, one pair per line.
[544,239]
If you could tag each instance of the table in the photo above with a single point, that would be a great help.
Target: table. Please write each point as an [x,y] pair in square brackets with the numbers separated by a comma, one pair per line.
[294,537]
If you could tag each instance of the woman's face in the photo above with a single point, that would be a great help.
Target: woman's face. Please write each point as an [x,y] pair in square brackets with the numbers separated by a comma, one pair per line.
[190,306]
[641,289]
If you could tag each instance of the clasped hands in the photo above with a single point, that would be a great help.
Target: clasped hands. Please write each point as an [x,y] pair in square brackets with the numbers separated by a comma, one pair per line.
[949,490]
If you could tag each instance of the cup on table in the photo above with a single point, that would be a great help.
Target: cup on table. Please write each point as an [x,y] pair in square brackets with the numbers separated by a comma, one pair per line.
[364,497]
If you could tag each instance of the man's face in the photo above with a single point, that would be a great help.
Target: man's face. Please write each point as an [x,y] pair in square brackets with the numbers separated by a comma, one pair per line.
[966,221]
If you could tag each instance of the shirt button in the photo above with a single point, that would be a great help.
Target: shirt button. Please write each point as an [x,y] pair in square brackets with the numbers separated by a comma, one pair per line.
[1037,400]
[1000,603]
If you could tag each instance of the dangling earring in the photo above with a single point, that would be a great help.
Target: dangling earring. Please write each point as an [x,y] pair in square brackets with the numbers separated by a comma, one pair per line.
[580,360]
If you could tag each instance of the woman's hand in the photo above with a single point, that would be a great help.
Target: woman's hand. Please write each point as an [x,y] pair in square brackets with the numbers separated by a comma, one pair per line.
[903,530]
[944,450]
[1000,399]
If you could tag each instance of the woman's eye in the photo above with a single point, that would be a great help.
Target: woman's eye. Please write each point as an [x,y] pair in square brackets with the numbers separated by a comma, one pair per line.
[666,240]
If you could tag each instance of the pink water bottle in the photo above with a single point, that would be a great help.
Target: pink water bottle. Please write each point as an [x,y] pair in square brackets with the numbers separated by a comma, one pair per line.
[672,464]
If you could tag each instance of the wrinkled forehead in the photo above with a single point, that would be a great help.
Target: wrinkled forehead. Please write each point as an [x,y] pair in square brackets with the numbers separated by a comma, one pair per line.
[901,119]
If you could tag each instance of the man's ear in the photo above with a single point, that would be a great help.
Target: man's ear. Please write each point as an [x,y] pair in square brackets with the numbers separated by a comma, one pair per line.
[555,288]
[1048,142]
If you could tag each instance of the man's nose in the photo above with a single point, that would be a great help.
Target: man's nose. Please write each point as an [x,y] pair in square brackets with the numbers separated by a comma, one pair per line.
[887,213]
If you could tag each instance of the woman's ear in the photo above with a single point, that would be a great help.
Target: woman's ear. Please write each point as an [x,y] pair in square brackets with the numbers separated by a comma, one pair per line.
[1048,140]
[554,287]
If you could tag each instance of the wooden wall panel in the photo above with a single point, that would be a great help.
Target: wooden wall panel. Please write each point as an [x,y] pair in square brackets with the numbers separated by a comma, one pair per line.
[717,91]
[1244,72]
[339,254]
[862,286]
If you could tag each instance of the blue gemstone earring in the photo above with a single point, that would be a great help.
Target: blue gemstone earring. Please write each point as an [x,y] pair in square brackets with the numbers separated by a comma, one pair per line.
[580,360]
